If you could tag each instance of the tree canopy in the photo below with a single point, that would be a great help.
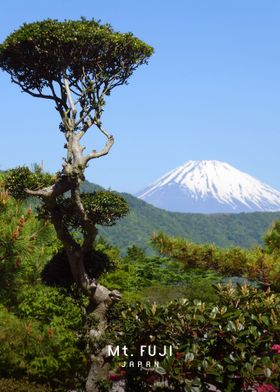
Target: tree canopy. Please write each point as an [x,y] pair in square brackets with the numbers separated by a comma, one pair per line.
[40,53]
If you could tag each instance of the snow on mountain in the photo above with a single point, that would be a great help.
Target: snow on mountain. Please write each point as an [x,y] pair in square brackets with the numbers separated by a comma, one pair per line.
[210,187]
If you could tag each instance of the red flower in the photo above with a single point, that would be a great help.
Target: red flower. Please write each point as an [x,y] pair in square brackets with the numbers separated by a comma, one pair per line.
[114,377]
[265,388]
[276,347]
[152,378]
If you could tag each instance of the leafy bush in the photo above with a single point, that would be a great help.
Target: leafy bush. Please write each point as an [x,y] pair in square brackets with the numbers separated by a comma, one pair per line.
[42,352]
[232,345]
[50,306]
[11,385]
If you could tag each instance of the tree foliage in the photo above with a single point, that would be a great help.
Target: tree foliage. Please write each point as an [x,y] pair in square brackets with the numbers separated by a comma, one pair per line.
[39,326]
[26,245]
[158,279]
[254,264]
[231,341]
[102,208]
[272,239]
[57,271]
[43,52]
[18,180]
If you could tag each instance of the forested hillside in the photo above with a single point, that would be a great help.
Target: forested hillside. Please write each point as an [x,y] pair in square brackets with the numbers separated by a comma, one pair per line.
[244,229]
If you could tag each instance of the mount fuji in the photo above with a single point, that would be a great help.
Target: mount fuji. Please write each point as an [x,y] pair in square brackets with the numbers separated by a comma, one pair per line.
[210,187]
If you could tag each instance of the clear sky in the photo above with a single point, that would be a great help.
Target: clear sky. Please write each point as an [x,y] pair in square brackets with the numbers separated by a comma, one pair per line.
[211,90]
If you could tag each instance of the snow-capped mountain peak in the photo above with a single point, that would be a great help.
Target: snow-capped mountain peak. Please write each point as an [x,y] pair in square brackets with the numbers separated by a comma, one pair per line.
[210,186]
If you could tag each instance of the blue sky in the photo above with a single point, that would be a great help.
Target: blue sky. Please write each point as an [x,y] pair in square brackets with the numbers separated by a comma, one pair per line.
[211,91]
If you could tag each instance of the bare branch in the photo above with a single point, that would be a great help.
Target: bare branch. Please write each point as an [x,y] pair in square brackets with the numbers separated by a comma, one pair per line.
[87,113]
[37,95]
[69,96]
[76,196]
[105,150]
[99,126]
[89,239]
[44,193]
[62,231]
[61,105]
[91,230]
[96,103]
[51,191]
[56,98]
[87,124]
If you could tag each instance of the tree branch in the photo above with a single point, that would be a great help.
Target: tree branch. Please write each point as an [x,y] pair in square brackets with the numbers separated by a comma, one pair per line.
[61,104]
[105,150]
[52,191]
[26,90]
[69,96]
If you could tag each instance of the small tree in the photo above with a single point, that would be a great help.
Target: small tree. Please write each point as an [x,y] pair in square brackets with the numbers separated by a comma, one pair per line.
[75,64]
[272,239]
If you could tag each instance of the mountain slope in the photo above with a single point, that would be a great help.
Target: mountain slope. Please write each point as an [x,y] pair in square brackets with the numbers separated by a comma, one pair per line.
[244,229]
[210,187]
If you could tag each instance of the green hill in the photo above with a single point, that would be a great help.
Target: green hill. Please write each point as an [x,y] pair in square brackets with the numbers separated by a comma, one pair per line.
[224,230]
[244,229]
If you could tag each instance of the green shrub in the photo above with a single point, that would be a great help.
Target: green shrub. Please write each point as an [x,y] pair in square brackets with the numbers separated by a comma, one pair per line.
[232,345]
[57,271]
[26,244]
[11,385]
[50,306]
[42,352]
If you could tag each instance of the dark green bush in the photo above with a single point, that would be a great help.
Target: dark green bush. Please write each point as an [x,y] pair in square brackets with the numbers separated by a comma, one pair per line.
[21,178]
[57,271]
[12,385]
[43,352]
[102,208]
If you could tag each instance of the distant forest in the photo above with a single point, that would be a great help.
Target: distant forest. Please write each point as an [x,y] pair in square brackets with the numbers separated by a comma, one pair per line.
[224,230]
